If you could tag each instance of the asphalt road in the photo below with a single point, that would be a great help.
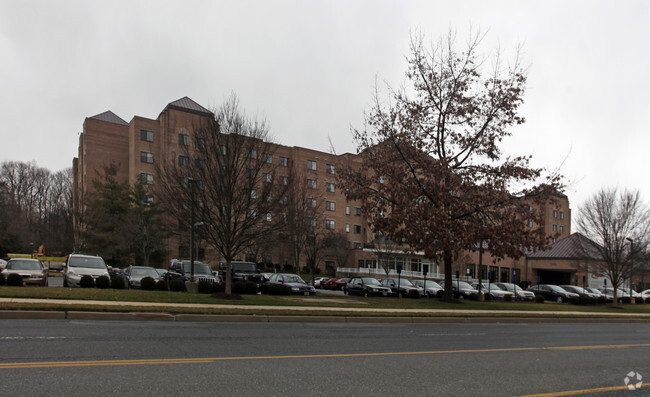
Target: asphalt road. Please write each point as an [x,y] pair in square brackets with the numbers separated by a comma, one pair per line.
[82,358]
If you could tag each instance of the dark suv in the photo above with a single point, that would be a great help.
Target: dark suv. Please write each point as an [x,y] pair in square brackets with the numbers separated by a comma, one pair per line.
[202,271]
[241,271]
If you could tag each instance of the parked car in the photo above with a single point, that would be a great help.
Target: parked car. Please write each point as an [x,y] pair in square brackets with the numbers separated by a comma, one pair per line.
[202,271]
[609,293]
[295,283]
[3,263]
[401,287]
[580,291]
[462,289]
[327,284]
[493,290]
[366,286]
[115,271]
[645,294]
[79,265]
[552,292]
[431,288]
[134,275]
[319,280]
[339,284]
[521,294]
[241,271]
[32,271]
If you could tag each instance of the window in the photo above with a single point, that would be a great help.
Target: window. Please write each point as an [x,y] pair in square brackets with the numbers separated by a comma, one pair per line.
[530,223]
[329,168]
[146,136]
[561,214]
[347,228]
[284,161]
[561,229]
[223,150]
[311,183]
[268,217]
[357,211]
[267,177]
[329,187]
[330,205]
[200,143]
[311,202]
[251,173]
[253,194]
[380,179]
[311,165]
[183,160]
[347,210]
[505,274]
[284,180]
[199,163]
[330,224]
[357,229]
[554,227]
[251,153]
[311,221]
[284,200]
[146,157]
[268,158]
[146,179]
[183,140]
[357,245]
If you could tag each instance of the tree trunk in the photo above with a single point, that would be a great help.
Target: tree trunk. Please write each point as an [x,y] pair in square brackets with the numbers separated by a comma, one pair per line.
[449,292]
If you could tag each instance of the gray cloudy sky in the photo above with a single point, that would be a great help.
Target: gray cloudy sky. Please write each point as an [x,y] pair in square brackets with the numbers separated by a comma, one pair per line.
[309,68]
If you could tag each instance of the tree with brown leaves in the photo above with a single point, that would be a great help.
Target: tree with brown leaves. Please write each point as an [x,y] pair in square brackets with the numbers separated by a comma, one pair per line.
[433,176]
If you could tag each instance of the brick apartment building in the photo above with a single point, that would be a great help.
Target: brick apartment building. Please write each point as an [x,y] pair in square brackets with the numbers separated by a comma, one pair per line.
[136,145]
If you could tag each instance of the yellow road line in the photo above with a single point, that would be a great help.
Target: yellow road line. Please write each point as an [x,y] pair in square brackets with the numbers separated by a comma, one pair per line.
[584,391]
[54,364]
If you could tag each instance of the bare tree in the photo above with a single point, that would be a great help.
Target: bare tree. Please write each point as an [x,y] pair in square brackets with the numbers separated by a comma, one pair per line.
[338,248]
[432,172]
[619,223]
[226,175]
[386,251]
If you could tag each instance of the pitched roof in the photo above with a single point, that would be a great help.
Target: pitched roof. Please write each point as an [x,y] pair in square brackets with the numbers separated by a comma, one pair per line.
[109,117]
[186,104]
[575,246]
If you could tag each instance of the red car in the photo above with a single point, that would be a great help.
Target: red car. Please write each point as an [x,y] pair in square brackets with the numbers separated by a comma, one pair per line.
[339,284]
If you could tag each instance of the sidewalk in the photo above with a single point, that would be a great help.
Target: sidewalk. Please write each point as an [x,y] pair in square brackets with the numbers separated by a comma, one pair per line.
[251,313]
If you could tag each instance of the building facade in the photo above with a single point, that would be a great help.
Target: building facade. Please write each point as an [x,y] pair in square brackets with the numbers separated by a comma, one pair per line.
[138,145]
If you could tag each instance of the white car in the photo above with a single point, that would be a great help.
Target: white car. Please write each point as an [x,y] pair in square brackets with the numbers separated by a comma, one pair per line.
[79,265]
[3,263]
[432,288]
[494,290]
[521,294]
[645,294]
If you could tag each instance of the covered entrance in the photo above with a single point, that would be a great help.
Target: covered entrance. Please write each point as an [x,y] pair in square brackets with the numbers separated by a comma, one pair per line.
[556,277]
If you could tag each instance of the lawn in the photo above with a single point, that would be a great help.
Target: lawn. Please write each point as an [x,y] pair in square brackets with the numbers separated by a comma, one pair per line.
[319,300]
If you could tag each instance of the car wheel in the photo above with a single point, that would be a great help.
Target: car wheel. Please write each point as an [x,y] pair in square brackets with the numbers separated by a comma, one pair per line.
[65,281]
[365,294]
[559,299]
[400,294]
[429,295]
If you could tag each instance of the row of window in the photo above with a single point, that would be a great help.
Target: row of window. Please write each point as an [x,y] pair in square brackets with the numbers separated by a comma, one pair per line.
[329,168]
[555,214]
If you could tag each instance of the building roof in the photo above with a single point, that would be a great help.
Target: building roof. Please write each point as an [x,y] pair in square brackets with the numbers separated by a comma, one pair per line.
[186,104]
[109,117]
[575,246]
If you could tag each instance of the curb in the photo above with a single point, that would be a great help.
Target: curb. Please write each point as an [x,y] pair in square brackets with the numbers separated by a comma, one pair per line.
[256,318]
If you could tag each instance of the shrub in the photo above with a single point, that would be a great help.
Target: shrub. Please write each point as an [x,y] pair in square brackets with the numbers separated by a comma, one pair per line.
[414,294]
[217,287]
[117,282]
[178,285]
[539,298]
[2,279]
[244,287]
[638,299]
[14,280]
[276,289]
[626,299]
[647,300]
[507,298]
[205,287]
[148,283]
[103,282]
[601,300]
[162,285]
[87,282]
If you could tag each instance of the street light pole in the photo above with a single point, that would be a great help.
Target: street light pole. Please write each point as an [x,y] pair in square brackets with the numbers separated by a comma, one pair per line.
[630,266]
[191,182]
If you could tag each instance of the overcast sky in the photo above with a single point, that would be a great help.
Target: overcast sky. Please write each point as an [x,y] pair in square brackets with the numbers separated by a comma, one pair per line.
[309,68]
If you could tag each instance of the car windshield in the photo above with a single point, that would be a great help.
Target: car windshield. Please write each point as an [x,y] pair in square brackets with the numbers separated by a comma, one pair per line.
[23,265]
[370,281]
[462,284]
[556,288]
[90,262]
[244,267]
[199,268]
[430,284]
[405,282]
[292,278]
[144,272]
